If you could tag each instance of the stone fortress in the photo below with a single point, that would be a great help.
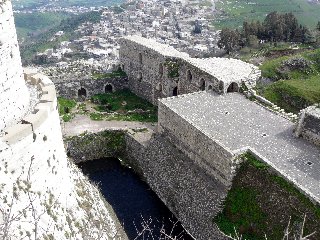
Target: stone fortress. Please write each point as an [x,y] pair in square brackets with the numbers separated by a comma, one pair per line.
[42,194]
[204,125]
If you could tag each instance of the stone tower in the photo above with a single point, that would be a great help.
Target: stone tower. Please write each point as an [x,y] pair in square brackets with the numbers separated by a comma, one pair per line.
[42,194]
[14,95]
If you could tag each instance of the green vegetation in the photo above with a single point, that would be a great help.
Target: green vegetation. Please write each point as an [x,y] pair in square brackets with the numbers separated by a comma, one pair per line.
[297,80]
[45,40]
[234,13]
[261,202]
[65,107]
[123,105]
[32,24]
[173,68]
[114,74]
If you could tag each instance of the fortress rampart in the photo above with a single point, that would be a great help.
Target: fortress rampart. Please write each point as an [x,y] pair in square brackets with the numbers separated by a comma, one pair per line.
[42,194]
[14,97]
[156,71]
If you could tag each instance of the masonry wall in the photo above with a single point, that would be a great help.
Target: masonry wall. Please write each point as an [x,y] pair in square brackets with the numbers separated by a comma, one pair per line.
[69,89]
[209,155]
[14,95]
[192,195]
[148,73]
[308,126]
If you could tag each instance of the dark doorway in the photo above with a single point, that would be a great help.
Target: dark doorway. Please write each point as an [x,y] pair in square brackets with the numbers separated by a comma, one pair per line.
[108,88]
[189,76]
[233,87]
[82,93]
[202,85]
[175,91]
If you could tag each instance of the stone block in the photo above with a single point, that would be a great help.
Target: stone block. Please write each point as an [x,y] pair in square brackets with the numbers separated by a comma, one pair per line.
[36,119]
[17,132]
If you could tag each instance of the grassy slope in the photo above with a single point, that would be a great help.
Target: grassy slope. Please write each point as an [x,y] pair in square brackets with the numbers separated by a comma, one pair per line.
[235,12]
[261,202]
[300,89]
[35,23]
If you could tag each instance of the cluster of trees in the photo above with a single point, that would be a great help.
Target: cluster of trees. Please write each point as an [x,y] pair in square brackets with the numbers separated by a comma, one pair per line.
[275,28]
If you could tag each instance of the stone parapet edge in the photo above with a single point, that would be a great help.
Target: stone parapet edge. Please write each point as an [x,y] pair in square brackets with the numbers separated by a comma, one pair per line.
[47,104]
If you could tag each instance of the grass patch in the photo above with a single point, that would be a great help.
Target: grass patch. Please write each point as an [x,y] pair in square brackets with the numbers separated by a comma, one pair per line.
[65,107]
[261,202]
[125,106]
[293,89]
[96,116]
[233,13]
[114,74]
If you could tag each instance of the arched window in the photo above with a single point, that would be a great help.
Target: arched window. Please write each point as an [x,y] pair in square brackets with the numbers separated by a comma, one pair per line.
[202,84]
[233,87]
[82,93]
[175,91]
[108,88]
[161,69]
[140,58]
[210,87]
[189,76]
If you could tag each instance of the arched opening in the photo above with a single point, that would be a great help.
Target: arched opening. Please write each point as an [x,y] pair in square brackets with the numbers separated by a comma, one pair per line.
[189,76]
[82,93]
[202,85]
[140,58]
[175,91]
[159,87]
[160,69]
[108,88]
[210,87]
[139,76]
[233,87]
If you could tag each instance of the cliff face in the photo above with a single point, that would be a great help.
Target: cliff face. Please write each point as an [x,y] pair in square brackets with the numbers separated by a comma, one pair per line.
[42,194]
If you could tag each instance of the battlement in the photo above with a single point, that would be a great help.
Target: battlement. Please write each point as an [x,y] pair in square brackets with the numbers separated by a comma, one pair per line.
[41,112]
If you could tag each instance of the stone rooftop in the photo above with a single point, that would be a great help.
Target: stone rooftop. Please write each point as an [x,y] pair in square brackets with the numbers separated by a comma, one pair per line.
[224,69]
[238,124]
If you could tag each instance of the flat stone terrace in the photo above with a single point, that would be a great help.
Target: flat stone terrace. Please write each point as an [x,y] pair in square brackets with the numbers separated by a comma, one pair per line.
[240,124]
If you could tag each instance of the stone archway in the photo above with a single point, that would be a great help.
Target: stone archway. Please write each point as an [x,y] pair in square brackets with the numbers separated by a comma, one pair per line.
[202,84]
[233,87]
[189,76]
[175,91]
[108,88]
[140,58]
[82,93]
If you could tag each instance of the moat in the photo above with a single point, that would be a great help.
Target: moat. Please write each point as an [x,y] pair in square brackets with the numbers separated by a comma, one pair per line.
[132,200]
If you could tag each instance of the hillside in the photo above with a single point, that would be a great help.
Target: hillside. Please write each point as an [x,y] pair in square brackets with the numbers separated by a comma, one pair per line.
[233,13]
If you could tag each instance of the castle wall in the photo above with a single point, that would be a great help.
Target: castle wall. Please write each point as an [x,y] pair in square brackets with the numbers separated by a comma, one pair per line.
[148,65]
[192,195]
[308,126]
[38,180]
[14,95]
[211,156]
[69,89]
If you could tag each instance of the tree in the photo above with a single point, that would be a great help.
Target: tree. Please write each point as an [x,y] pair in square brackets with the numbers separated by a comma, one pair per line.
[229,39]
[318,26]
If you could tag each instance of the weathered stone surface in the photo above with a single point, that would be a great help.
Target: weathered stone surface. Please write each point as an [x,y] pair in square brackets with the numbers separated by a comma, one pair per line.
[156,70]
[14,95]
[309,124]
[69,89]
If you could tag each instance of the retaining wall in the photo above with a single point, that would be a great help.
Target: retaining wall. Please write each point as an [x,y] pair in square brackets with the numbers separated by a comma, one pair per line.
[69,89]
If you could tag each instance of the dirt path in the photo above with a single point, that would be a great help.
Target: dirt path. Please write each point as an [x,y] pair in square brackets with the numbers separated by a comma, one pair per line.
[82,123]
